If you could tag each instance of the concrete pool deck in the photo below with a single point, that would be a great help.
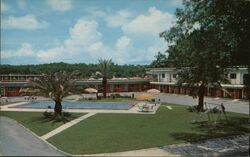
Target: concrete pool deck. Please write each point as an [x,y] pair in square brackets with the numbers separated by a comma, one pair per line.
[133,110]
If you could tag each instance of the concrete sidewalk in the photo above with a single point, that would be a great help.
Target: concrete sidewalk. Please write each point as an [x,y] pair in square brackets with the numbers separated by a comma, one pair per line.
[142,152]
[65,126]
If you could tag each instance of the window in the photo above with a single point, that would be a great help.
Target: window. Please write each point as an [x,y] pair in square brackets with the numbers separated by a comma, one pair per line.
[162,75]
[245,79]
[11,89]
[174,75]
[233,76]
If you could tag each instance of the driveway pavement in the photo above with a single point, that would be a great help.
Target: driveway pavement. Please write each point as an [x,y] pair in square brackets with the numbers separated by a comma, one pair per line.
[237,146]
[17,141]
[231,105]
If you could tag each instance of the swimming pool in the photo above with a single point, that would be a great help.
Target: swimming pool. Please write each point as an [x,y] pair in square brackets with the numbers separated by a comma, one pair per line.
[79,105]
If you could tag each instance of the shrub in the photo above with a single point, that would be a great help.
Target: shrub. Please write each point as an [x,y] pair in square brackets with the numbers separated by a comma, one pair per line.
[62,118]
[47,114]
[215,110]
[192,108]
[66,114]
[126,96]
[118,95]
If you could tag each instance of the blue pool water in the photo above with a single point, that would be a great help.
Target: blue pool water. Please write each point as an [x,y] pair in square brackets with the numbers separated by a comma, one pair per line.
[79,105]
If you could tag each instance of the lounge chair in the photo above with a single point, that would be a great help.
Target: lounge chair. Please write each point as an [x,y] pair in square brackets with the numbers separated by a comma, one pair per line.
[145,107]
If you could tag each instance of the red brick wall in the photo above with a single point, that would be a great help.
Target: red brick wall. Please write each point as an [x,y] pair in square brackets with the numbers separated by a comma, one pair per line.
[183,90]
[165,89]
[238,93]
[219,93]
[134,87]
[119,88]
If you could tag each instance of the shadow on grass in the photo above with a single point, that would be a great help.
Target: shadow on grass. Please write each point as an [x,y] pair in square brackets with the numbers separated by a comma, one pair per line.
[59,119]
[206,130]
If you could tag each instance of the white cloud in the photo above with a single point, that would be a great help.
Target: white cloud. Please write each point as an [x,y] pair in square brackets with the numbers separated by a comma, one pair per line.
[113,19]
[4,7]
[153,49]
[60,5]
[25,50]
[27,22]
[141,30]
[118,19]
[174,3]
[137,46]
[154,22]
[51,55]
[95,46]
[84,44]
[122,42]
[84,32]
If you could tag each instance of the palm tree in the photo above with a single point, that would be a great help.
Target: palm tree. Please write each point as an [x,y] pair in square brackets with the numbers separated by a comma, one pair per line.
[104,67]
[56,86]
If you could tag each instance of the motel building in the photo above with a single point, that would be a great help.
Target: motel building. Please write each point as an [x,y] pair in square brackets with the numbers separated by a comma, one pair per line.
[12,83]
[164,79]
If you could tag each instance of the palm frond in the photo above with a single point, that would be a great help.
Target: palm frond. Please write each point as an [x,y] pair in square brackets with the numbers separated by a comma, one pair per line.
[56,85]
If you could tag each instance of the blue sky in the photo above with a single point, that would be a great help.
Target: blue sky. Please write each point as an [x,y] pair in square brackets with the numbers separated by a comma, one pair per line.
[77,31]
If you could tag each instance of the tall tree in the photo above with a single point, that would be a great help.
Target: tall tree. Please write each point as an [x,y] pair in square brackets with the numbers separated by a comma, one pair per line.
[84,69]
[207,37]
[56,86]
[160,61]
[105,72]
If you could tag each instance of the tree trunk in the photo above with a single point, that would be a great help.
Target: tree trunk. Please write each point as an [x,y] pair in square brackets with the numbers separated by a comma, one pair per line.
[58,108]
[201,92]
[104,86]
[248,83]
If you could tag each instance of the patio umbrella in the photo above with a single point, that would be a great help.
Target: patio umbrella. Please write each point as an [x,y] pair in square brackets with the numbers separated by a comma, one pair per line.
[153,91]
[90,90]
[144,96]
[27,91]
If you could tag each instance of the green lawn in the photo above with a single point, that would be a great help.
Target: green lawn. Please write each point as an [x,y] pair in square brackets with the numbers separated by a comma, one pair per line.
[35,121]
[121,132]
